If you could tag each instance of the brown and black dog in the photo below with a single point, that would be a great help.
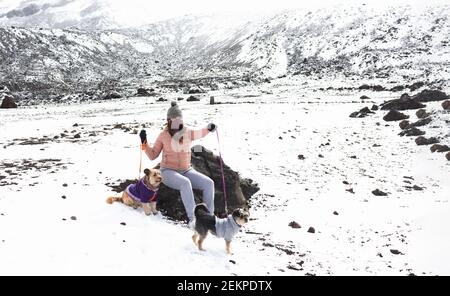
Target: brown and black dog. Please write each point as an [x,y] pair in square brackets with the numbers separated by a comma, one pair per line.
[144,193]
[224,228]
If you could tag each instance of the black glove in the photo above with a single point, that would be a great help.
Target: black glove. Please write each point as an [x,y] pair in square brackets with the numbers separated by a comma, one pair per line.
[211,127]
[143,136]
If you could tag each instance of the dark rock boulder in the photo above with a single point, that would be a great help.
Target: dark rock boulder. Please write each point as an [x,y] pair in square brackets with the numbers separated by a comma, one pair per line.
[439,148]
[413,131]
[404,103]
[112,95]
[421,122]
[415,86]
[374,108]
[421,141]
[448,156]
[394,115]
[446,105]
[422,113]
[143,92]
[398,88]
[361,113]
[431,96]
[404,124]
[193,99]
[238,190]
[378,192]
[365,98]
[8,103]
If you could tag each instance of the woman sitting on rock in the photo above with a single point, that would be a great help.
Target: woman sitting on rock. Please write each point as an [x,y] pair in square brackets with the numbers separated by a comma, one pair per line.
[175,143]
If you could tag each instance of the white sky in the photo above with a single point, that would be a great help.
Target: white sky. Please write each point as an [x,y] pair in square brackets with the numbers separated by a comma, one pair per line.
[162,9]
[144,11]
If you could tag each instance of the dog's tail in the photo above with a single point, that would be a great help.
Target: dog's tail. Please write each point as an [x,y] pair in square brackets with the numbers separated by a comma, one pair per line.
[200,210]
[112,199]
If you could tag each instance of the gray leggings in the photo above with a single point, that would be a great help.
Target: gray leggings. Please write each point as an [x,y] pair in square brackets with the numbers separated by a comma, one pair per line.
[184,181]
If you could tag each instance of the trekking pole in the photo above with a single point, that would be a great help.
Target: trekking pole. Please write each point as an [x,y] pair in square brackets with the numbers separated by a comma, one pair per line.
[223,175]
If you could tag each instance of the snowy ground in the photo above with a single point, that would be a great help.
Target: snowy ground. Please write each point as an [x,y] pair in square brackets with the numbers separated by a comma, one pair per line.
[261,141]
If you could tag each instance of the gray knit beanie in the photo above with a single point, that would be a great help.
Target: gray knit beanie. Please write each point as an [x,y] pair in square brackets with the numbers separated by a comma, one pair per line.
[174,111]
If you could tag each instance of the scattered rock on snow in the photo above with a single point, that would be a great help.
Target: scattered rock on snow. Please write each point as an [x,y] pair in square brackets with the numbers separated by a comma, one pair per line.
[421,141]
[193,99]
[422,113]
[439,148]
[365,98]
[361,113]
[77,136]
[301,157]
[294,224]
[378,192]
[413,131]
[422,122]
[448,156]
[404,103]
[73,218]
[374,108]
[335,213]
[446,105]
[395,115]
[404,124]
[431,96]
[396,252]
[8,103]
[311,230]
[123,223]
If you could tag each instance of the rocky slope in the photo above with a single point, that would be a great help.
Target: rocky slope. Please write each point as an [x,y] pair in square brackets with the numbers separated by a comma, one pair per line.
[396,44]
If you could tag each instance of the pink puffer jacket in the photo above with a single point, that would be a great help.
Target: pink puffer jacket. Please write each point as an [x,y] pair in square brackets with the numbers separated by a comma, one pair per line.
[176,154]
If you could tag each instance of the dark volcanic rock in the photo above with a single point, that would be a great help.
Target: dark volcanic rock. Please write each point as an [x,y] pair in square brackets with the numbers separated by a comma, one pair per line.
[378,192]
[374,108]
[143,92]
[404,103]
[294,224]
[394,115]
[439,148]
[431,96]
[421,141]
[412,131]
[364,98]
[238,190]
[361,113]
[422,113]
[446,105]
[8,103]
[112,95]
[193,99]
[311,230]
[416,86]
[422,122]
[404,124]
[447,156]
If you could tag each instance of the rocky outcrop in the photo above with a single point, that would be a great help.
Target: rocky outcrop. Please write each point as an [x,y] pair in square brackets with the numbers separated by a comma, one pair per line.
[404,103]
[421,141]
[439,148]
[422,113]
[431,96]
[8,103]
[413,131]
[361,113]
[395,115]
[446,105]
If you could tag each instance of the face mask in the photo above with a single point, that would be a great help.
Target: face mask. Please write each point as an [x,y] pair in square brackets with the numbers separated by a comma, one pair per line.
[177,123]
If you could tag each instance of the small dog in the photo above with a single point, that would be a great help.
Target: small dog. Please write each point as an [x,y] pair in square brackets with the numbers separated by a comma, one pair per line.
[224,228]
[144,193]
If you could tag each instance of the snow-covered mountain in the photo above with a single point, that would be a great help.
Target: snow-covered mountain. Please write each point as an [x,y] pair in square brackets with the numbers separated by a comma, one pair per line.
[398,44]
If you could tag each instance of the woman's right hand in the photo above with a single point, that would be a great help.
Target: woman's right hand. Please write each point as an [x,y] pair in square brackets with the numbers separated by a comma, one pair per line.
[143,135]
